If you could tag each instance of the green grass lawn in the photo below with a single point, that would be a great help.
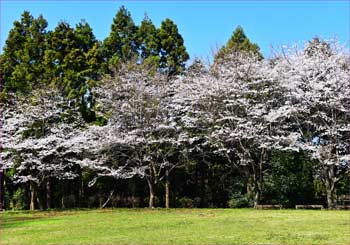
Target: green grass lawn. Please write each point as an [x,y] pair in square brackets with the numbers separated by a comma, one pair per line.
[176,226]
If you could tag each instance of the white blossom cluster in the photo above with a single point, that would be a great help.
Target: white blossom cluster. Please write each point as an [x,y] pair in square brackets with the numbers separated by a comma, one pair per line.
[242,109]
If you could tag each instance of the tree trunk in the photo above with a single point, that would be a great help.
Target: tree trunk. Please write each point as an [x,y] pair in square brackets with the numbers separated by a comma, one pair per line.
[256,198]
[132,186]
[48,193]
[257,189]
[330,184]
[100,200]
[81,192]
[151,193]
[62,202]
[258,178]
[108,199]
[253,189]
[249,187]
[2,189]
[40,204]
[331,198]
[32,196]
[167,189]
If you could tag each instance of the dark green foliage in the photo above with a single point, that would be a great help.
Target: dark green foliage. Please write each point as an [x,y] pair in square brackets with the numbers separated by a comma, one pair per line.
[238,42]
[68,57]
[22,61]
[84,36]
[148,40]
[87,113]
[94,62]
[173,54]
[290,181]
[240,201]
[19,199]
[344,184]
[161,48]
[91,48]
[72,57]
[186,202]
[64,60]
[121,44]
[64,57]
[206,178]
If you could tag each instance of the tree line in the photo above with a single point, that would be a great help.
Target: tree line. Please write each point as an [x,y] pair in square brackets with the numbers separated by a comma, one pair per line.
[68,57]
[124,123]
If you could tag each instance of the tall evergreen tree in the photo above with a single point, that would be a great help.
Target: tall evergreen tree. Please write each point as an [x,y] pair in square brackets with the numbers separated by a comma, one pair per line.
[84,36]
[148,40]
[64,59]
[94,62]
[72,57]
[88,44]
[238,42]
[22,66]
[173,54]
[121,43]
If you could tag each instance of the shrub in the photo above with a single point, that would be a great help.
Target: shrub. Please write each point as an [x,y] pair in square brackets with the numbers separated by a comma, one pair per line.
[186,202]
[19,199]
[197,202]
[240,201]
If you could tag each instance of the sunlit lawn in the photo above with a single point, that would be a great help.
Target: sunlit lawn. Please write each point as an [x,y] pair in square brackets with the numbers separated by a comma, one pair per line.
[179,226]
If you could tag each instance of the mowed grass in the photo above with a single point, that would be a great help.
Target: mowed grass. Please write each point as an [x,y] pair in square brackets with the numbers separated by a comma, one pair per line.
[176,226]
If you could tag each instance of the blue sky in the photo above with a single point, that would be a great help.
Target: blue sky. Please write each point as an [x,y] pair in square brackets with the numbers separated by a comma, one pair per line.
[204,25]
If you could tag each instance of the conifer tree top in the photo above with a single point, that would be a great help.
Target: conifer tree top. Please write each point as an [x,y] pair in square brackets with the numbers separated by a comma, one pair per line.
[238,42]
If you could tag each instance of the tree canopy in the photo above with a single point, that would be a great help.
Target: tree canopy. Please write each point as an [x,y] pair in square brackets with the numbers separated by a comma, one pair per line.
[123,122]
[238,42]
[22,61]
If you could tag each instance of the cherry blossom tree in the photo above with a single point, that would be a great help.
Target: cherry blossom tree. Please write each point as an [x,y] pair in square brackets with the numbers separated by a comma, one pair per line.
[138,105]
[36,134]
[242,131]
[227,107]
[316,108]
